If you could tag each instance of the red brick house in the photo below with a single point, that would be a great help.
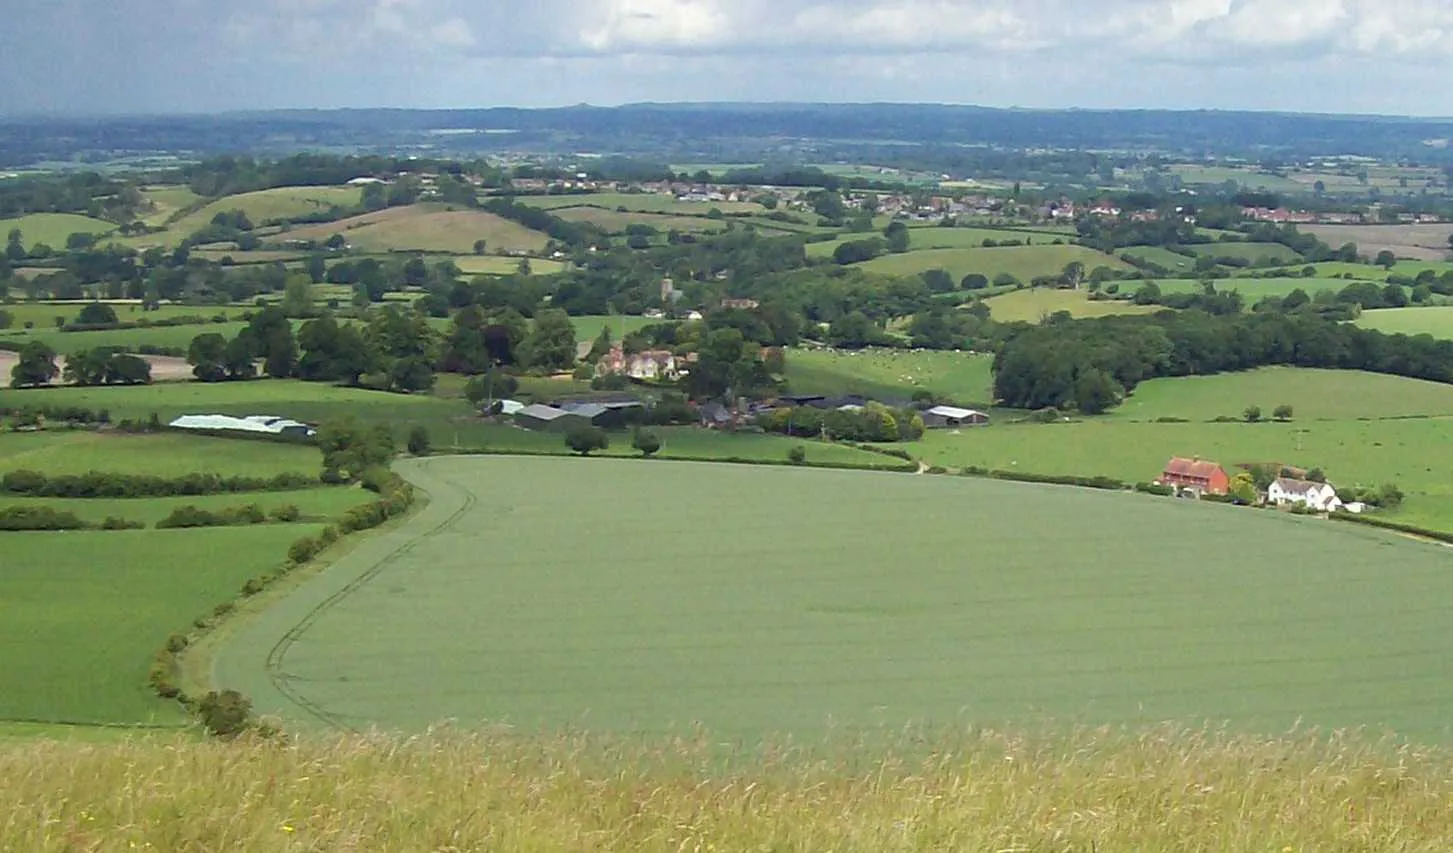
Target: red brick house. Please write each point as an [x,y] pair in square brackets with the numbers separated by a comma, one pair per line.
[1195,475]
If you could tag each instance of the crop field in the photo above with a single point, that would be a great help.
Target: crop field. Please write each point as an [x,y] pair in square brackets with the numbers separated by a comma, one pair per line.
[264,205]
[426,228]
[52,229]
[1037,303]
[1276,253]
[615,222]
[1251,289]
[1435,321]
[642,203]
[1415,242]
[159,336]
[802,628]
[1414,453]
[81,614]
[926,238]
[1022,262]
[963,377]
[1247,177]
[320,504]
[1161,257]
[1314,395]
[502,265]
[59,451]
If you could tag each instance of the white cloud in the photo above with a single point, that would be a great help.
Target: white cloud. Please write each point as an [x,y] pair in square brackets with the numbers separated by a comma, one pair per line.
[630,25]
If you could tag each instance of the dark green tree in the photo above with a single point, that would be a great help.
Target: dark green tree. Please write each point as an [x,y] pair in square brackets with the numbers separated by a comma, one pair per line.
[208,357]
[551,342]
[96,314]
[36,366]
[646,441]
[586,439]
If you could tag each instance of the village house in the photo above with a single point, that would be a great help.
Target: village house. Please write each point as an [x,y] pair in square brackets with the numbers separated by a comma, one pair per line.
[649,366]
[1196,476]
[1285,491]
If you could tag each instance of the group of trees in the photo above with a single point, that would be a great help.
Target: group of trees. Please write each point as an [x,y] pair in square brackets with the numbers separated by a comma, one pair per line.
[874,422]
[36,366]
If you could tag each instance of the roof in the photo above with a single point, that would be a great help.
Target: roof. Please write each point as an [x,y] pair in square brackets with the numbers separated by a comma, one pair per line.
[955,412]
[264,424]
[543,413]
[511,407]
[587,410]
[1297,487]
[1182,467]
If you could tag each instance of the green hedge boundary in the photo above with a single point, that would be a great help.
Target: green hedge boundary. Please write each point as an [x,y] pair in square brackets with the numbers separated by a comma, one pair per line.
[102,484]
[902,468]
[1396,526]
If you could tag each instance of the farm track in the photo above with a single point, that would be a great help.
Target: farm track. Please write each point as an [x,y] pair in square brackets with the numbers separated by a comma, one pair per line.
[447,504]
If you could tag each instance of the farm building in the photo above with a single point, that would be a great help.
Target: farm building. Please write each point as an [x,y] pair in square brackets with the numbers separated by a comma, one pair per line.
[549,418]
[942,417]
[259,424]
[1196,476]
[608,415]
[1285,491]
[715,416]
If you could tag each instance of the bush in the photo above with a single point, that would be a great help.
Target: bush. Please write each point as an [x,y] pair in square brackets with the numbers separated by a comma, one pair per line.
[585,440]
[646,441]
[797,455]
[17,518]
[114,523]
[225,714]
[286,513]
[1154,489]
[303,549]
[419,443]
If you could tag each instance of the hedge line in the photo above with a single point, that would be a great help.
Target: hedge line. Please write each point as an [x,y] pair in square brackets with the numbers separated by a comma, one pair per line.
[395,498]
[23,518]
[908,468]
[237,516]
[1107,483]
[1398,526]
[101,484]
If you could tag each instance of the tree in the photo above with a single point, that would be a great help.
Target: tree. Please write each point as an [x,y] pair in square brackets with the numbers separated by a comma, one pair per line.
[96,314]
[207,356]
[419,443]
[225,714]
[938,281]
[350,448]
[797,455]
[126,369]
[1242,489]
[585,439]
[298,296]
[1386,259]
[646,441]
[1095,392]
[602,345]
[1252,414]
[897,237]
[1282,412]
[281,355]
[86,367]
[551,342]
[36,366]
[480,246]
[974,281]
[1072,274]
[239,357]
[1317,475]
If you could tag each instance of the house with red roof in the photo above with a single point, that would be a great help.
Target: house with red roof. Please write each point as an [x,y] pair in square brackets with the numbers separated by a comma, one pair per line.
[1195,475]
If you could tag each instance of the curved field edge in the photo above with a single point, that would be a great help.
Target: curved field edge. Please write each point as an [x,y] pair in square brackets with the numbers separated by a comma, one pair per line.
[1252,622]
[1158,790]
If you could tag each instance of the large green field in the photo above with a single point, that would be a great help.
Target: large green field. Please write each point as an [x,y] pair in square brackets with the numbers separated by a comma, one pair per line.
[1161,257]
[891,373]
[1251,289]
[1435,321]
[264,205]
[81,614]
[1034,304]
[60,451]
[926,238]
[426,228]
[1313,394]
[1022,262]
[614,222]
[318,504]
[43,314]
[179,337]
[855,600]
[1276,253]
[52,229]
[642,203]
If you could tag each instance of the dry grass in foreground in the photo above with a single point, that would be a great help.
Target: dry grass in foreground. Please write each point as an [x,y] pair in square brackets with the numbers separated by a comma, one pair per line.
[1093,791]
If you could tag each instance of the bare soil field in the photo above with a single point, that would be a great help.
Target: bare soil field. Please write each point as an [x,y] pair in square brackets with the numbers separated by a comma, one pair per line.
[1418,242]
[163,368]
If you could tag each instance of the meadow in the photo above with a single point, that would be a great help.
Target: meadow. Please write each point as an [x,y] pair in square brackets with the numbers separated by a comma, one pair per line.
[175,337]
[44,314]
[264,205]
[962,377]
[1022,262]
[1161,257]
[642,203]
[426,228]
[320,504]
[166,201]
[82,613]
[1414,242]
[937,613]
[61,451]
[1031,305]
[1435,321]
[504,265]
[1253,252]
[1252,289]
[52,229]
[1314,395]
[933,237]
[614,222]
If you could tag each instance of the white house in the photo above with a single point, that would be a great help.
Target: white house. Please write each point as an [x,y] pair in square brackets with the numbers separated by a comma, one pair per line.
[1319,496]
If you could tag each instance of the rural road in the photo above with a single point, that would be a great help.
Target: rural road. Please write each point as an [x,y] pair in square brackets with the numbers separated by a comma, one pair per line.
[254,658]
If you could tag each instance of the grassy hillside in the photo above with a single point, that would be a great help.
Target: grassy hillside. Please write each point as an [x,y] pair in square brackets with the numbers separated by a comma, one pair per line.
[1023,262]
[614,222]
[52,229]
[501,265]
[426,228]
[1254,252]
[1161,257]
[964,377]
[169,455]
[263,205]
[1158,791]
[1034,304]
[166,201]
[1435,321]
[1251,289]
[1313,394]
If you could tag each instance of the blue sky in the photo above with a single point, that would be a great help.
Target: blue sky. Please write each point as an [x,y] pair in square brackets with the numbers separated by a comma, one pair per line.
[89,56]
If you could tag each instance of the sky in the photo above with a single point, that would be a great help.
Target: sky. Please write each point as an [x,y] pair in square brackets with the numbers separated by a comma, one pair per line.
[187,56]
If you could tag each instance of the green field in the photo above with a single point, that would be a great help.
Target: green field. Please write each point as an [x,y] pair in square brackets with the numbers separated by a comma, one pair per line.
[1251,289]
[614,222]
[160,336]
[60,451]
[426,228]
[1435,321]
[891,373]
[264,205]
[1022,262]
[166,201]
[1253,252]
[1314,395]
[1161,257]
[943,609]
[43,314]
[641,203]
[81,614]
[52,229]
[1034,304]
[1248,177]
[926,238]
[321,504]
[503,265]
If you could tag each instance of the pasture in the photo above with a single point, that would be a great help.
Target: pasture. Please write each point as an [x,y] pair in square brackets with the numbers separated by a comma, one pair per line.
[1267,254]
[178,337]
[43,314]
[1252,289]
[426,228]
[265,205]
[641,203]
[962,377]
[1161,257]
[1315,395]
[939,612]
[614,222]
[52,229]
[166,201]
[504,265]
[320,505]
[171,454]
[82,613]
[1435,321]
[1033,304]
[1247,176]
[1022,262]
[1413,242]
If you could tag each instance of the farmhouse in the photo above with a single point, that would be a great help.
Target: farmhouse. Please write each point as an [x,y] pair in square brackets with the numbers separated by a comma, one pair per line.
[1196,476]
[538,417]
[943,417]
[1285,491]
[648,366]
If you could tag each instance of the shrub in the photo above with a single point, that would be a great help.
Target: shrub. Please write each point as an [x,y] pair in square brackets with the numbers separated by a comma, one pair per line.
[286,513]
[586,439]
[302,550]
[1154,489]
[114,523]
[225,714]
[646,441]
[419,443]
[797,455]
[17,518]
[1252,414]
